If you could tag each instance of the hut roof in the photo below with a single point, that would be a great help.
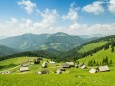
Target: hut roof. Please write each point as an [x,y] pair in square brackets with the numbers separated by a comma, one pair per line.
[52,62]
[43,72]
[70,63]
[80,64]
[24,69]
[62,69]
[83,67]
[24,65]
[39,58]
[44,64]
[6,72]
[58,71]
[92,70]
[104,68]
[65,65]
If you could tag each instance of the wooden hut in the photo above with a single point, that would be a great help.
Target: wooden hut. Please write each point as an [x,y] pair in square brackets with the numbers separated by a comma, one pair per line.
[83,67]
[71,64]
[44,65]
[103,68]
[58,71]
[93,70]
[65,65]
[22,69]
[43,72]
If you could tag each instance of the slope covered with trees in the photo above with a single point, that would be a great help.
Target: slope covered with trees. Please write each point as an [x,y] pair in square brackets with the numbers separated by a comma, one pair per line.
[7,50]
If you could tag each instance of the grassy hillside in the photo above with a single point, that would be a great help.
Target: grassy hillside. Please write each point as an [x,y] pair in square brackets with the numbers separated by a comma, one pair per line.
[13,62]
[99,56]
[71,77]
[91,46]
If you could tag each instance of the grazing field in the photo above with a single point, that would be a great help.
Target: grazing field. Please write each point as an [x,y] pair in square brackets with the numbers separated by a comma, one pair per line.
[13,62]
[76,77]
[91,46]
[71,77]
[99,56]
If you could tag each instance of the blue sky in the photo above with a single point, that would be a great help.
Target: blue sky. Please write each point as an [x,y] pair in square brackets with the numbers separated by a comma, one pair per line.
[76,17]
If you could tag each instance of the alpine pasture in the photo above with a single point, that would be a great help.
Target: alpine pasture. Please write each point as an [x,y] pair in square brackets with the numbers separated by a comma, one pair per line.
[71,77]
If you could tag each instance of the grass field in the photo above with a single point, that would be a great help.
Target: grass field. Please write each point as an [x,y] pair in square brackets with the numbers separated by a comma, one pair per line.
[76,77]
[13,62]
[71,77]
[99,56]
[91,46]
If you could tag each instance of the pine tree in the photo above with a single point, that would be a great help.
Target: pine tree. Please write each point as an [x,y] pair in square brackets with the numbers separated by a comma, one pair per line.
[110,62]
[112,50]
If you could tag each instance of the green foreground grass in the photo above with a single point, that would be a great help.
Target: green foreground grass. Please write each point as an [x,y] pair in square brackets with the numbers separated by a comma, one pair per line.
[71,77]
[76,77]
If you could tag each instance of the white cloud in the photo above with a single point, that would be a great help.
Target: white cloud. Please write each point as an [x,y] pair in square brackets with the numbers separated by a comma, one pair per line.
[48,18]
[27,5]
[95,8]
[111,6]
[29,26]
[105,29]
[72,14]
[16,27]
[12,21]
[48,24]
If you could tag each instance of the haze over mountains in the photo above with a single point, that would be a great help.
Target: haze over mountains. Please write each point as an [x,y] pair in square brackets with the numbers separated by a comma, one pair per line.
[7,51]
[29,42]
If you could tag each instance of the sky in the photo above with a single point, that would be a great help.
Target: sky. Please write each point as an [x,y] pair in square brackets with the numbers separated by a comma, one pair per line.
[74,17]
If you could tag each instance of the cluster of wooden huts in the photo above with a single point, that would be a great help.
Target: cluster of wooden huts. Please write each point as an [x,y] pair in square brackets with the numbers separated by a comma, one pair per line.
[6,72]
[100,69]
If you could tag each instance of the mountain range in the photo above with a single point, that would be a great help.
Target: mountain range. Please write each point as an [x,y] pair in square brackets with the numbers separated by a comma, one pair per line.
[29,42]
[7,50]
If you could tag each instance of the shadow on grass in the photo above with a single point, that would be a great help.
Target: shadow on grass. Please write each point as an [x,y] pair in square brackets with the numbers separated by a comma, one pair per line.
[7,66]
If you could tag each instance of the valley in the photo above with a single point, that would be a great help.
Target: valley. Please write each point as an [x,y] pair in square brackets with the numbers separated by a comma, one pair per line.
[92,54]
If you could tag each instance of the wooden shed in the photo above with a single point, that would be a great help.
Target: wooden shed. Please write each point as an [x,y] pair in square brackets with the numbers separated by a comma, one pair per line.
[65,65]
[43,72]
[22,69]
[103,68]
[71,64]
[93,70]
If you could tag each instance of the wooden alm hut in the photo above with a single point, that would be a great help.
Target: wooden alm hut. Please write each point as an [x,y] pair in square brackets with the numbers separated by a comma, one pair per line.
[43,72]
[25,64]
[58,71]
[65,65]
[52,62]
[76,66]
[22,69]
[80,64]
[103,68]
[44,65]
[31,61]
[39,58]
[6,72]
[92,70]
[83,67]
[62,69]
[71,64]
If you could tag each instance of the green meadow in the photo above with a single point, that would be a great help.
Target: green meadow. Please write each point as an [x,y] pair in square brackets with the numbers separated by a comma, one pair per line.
[99,56]
[76,77]
[91,46]
[71,77]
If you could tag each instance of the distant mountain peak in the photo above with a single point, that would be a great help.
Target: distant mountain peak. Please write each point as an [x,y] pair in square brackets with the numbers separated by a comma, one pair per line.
[60,34]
